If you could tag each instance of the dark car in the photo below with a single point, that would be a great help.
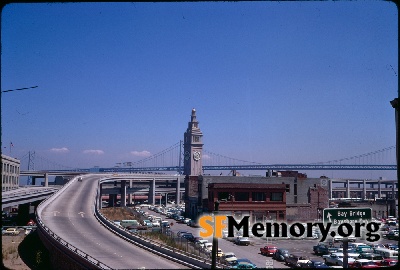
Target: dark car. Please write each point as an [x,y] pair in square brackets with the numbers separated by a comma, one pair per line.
[188,236]
[315,264]
[392,246]
[280,254]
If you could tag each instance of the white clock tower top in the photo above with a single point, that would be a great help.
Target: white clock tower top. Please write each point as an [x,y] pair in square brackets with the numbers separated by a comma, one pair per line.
[193,147]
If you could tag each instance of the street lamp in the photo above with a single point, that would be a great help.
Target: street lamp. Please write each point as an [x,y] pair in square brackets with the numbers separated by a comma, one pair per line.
[230,197]
[215,240]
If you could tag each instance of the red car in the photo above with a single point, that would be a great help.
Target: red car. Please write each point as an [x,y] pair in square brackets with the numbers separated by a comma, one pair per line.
[388,262]
[31,223]
[363,263]
[268,250]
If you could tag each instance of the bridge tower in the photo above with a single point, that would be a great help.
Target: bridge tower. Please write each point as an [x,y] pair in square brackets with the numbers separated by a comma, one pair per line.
[31,167]
[193,148]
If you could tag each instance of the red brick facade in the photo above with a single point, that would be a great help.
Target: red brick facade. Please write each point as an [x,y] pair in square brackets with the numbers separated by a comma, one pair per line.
[260,201]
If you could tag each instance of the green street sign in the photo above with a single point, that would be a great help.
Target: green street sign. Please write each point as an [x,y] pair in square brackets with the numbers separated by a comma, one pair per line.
[337,216]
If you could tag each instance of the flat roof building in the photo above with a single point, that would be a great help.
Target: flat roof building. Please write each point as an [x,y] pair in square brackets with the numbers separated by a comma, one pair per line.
[9,173]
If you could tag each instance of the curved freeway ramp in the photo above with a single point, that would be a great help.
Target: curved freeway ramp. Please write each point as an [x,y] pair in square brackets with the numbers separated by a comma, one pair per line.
[70,215]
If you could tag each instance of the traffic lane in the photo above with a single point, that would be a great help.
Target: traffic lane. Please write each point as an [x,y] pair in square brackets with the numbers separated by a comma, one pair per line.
[76,224]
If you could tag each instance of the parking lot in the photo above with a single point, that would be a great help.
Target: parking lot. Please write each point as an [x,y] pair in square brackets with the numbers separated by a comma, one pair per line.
[252,251]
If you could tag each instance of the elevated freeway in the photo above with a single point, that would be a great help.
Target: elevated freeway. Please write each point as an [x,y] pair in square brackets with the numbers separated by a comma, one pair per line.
[70,215]
[25,195]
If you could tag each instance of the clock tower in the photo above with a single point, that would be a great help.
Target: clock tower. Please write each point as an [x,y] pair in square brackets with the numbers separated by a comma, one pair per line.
[193,148]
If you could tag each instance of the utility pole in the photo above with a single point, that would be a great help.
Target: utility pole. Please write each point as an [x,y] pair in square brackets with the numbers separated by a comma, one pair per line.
[215,240]
[395,104]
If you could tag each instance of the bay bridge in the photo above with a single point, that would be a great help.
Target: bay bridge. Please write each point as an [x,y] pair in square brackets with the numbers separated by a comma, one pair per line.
[171,160]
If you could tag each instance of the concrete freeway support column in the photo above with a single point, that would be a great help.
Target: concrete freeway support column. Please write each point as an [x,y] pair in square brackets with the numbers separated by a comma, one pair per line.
[33,180]
[178,190]
[152,192]
[46,179]
[130,194]
[393,192]
[347,188]
[112,200]
[123,193]
[379,189]
[364,196]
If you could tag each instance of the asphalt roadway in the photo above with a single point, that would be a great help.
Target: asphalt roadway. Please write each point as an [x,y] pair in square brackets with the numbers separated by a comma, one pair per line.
[71,217]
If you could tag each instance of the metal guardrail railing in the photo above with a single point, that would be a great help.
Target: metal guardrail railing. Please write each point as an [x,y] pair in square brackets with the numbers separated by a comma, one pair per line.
[179,256]
[84,257]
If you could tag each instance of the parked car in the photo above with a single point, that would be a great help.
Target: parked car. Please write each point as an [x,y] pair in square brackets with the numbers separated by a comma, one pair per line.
[376,258]
[388,262]
[243,264]
[393,235]
[188,236]
[193,223]
[165,224]
[10,231]
[181,232]
[363,263]
[339,238]
[240,240]
[296,260]
[321,249]
[31,223]
[337,259]
[229,257]
[207,247]
[200,243]
[315,264]
[268,250]
[392,246]
[280,254]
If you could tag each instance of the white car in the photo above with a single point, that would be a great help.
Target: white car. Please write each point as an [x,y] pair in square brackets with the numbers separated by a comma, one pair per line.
[207,246]
[240,240]
[339,238]
[201,242]
[156,223]
[229,257]
[336,259]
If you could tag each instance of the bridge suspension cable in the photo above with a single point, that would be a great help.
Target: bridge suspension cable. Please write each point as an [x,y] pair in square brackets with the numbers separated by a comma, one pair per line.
[368,156]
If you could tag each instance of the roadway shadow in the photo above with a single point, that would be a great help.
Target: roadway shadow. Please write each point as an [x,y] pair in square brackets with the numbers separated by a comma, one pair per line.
[33,253]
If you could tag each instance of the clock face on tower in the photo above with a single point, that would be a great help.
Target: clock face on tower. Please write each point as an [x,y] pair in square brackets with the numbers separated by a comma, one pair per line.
[196,155]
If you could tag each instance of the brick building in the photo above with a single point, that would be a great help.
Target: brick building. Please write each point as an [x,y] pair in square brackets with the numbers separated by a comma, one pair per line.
[259,201]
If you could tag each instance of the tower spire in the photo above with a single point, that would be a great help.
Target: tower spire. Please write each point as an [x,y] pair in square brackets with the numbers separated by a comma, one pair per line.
[193,147]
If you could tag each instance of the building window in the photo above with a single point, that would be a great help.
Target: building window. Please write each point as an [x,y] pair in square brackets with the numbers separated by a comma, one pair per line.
[223,196]
[258,197]
[277,196]
[242,196]
[196,138]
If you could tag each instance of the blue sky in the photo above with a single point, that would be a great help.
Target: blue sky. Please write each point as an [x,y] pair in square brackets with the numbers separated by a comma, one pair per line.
[272,82]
